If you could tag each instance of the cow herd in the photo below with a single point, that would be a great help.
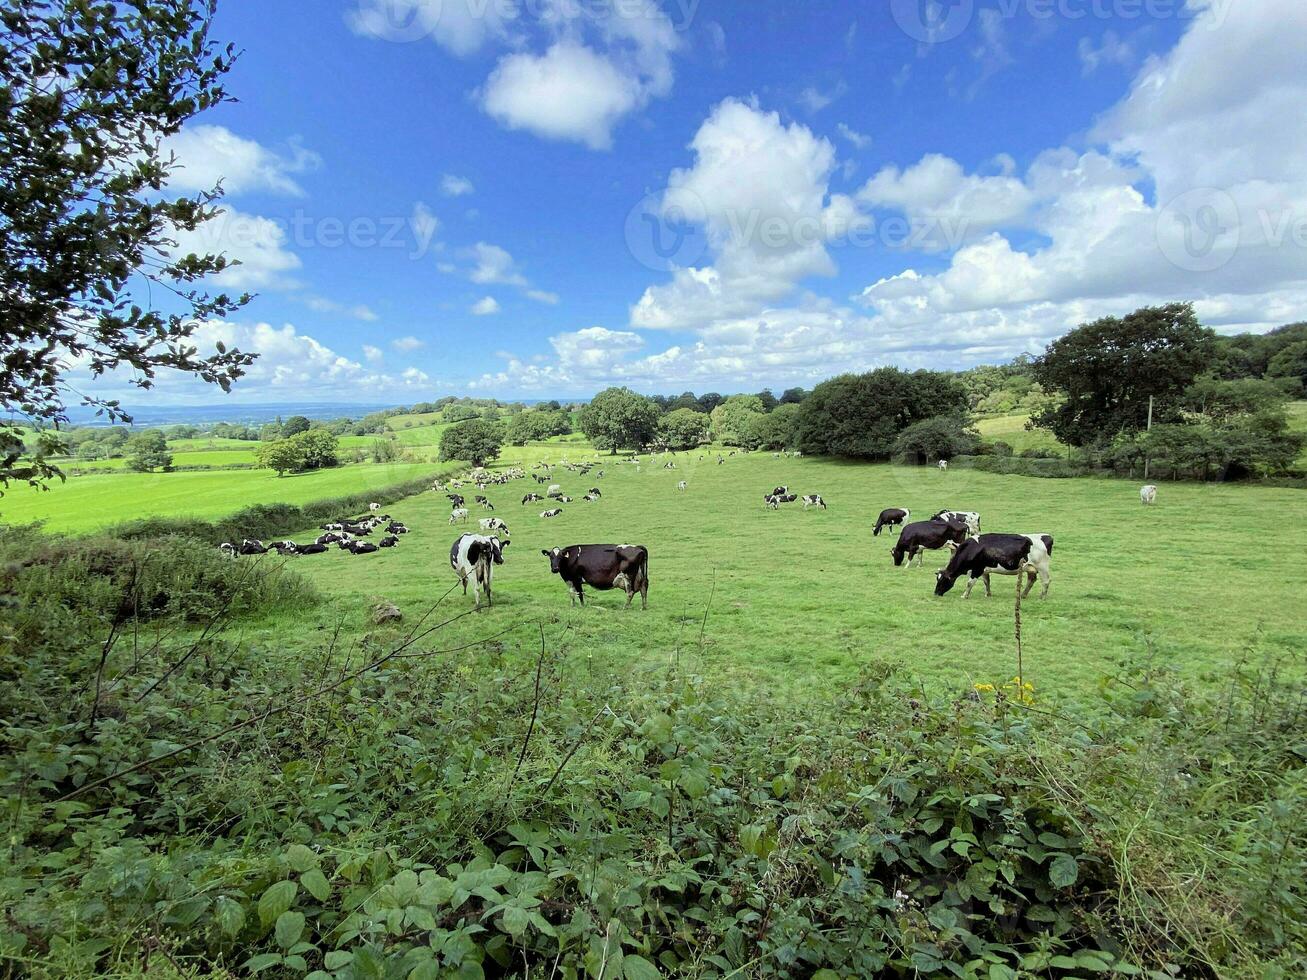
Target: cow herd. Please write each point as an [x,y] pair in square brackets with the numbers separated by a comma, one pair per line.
[345,534]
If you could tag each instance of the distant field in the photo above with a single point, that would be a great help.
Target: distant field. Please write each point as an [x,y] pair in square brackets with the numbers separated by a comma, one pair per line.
[1298,422]
[798,600]
[1012,430]
[88,502]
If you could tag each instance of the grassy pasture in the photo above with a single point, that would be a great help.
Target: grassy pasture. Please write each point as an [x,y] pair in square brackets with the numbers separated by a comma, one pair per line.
[1012,430]
[797,600]
[88,502]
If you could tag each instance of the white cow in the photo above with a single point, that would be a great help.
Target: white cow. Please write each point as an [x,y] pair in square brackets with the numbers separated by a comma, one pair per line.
[553,488]
[1148,495]
[682,485]
[457,515]
[374,507]
[474,556]
[943,465]
[493,524]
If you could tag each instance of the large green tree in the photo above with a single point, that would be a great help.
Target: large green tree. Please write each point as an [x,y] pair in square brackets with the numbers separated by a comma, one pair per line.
[476,441]
[733,419]
[941,437]
[683,428]
[618,418]
[1105,371]
[861,415]
[88,92]
[148,451]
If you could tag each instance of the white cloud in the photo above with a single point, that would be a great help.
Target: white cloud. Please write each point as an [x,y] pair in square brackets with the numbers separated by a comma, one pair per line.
[407,344]
[208,154]
[460,26]
[453,186]
[860,140]
[258,244]
[814,99]
[375,355]
[359,311]
[542,296]
[1113,50]
[485,306]
[494,265]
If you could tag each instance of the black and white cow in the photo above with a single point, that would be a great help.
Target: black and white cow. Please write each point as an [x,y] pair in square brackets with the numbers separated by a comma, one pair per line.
[493,524]
[594,491]
[779,492]
[774,501]
[396,527]
[473,557]
[602,567]
[531,498]
[228,549]
[483,502]
[455,499]
[968,517]
[813,500]
[891,517]
[283,548]
[310,549]
[252,546]
[333,537]
[922,536]
[682,485]
[458,515]
[590,497]
[358,547]
[389,541]
[1002,554]
[551,513]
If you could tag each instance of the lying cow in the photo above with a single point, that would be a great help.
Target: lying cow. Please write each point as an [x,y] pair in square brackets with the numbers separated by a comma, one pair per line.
[473,556]
[530,498]
[228,549]
[813,500]
[682,485]
[493,524]
[252,546]
[310,549]
[1004,554]
[968,517]
[551,513]
[891,517]
[358,547]
[602,567]
[916,539]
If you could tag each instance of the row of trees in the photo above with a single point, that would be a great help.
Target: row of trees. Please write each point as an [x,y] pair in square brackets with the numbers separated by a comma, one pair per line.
[311,449]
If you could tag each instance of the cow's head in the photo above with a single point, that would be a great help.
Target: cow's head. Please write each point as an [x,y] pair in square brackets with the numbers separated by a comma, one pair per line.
[897,554]
[555,556]
[943,581]
[496,551]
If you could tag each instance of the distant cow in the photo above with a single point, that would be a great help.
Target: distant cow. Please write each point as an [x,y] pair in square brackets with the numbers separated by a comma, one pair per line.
[473,556]
[530,498]
[483,502]
[283,548]
[551,513]
[493,524]
[1004,554]
[591,497]
[779,492]
[891,517]
[252,546]
[774,501]
[924,536]
[682,485]
[813,500]
[943,465]
[358,547]
[228,549]
[396,527]
[455,499]
[458,515]
[1148,495]
[310,549]
[968,517]
[553,489]
[563,498]
[374,507]
[603,567]
[389,541]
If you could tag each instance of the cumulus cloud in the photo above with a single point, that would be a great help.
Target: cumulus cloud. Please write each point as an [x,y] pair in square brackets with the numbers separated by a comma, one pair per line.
[207,154]
[358,311]
[258,244]
[452,186]
[485,306]
[462,27]
[494,265]
[407,344]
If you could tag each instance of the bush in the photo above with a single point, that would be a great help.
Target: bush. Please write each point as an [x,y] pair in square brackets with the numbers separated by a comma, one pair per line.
[1045,466]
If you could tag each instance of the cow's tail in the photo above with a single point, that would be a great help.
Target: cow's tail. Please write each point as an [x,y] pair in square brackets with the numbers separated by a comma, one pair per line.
[642,585]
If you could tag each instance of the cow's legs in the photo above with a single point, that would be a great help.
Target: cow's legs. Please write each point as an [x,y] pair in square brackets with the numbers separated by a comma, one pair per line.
[971,581]
[1045,580]
[988,591]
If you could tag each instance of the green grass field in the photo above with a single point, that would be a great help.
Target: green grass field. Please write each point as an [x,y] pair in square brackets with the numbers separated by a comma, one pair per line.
[797,600]
[1012,430]
[88,502]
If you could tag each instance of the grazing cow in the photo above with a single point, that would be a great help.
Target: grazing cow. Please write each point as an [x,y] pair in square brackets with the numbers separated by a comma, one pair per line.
[456,499]
[943,465]
[553,489]
[228,549]
[389,541]
[1148,495]
[682,485]
[916,539]
[473,556]
[774,500]
[891,517]
[530,498]
[813,500]
[493,524]
[457,515]
[374,507]
[252,546]
[779,492]
[1004,554]
[539,479]
[603,567]
[483,502]
[669,466]
[594,491]
[968,517]
[551,513]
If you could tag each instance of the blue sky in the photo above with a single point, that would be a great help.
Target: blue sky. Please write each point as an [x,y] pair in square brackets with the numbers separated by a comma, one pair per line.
[460,197]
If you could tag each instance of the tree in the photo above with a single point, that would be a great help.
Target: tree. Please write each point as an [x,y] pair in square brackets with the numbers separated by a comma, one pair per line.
[733,418]
[768,400]
[294,425]
[476,441]
[683,428]
[459,413]
[1105,372]
[861,415]
[941,437]
[793,396]
[776,429]
[282,455]
[148,451]
[89,90]
[710,401]
[1221,400]
[318,448]
[1290,363]
[535,425]
[618,418]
